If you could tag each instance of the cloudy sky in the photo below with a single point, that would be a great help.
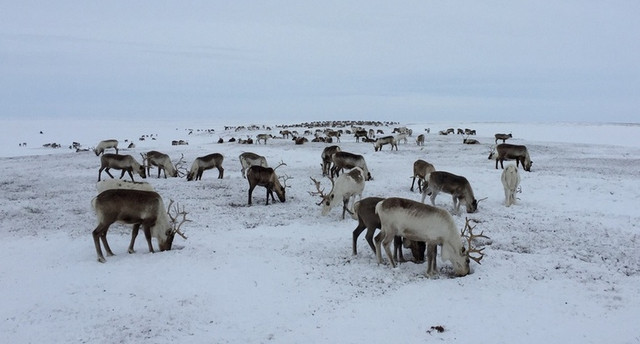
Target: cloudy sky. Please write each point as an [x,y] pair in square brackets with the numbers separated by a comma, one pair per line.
[300,60]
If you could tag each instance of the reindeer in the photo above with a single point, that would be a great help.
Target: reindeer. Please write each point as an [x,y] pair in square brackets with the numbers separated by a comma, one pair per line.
[126,163]
[346,187]
[457,186]
[263,137]
[342,160]
[204,163]
[360,133]
[266,176]
[248,159]
[155,158]
[502,137]
[402,137]
[327,158]
[138,208]
[333,133]
[510,180]
[420,140]
[507,151]
[381,141]
[367,218]
[113,143]
[422,222]
[422,170]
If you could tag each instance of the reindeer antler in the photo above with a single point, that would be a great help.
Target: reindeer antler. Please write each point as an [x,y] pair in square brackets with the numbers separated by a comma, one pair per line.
[176,229]
[284,179]
[320,192]
[180,167]
[280,164]
[470,237]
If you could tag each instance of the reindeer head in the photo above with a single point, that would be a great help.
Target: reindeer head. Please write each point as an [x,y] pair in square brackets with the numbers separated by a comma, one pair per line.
[175,226]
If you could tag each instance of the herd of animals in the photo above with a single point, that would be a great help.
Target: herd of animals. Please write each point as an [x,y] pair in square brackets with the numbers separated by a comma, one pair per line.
[414,225]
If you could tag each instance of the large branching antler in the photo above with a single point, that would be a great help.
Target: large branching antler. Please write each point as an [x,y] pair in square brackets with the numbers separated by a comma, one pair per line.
[284,179]
[467,233]
[280,164]
[320,193]
[180,166]
[174,219]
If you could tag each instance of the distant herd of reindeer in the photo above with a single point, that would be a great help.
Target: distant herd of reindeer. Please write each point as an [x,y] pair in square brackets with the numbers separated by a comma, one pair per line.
[414,225]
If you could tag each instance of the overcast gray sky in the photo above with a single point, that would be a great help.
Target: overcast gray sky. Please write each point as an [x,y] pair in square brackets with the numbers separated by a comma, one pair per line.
[299,60]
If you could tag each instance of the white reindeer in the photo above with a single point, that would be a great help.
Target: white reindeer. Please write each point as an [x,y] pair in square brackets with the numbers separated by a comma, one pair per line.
[421,222]
[344,188]
[510,181]
[248,159]
[102,145]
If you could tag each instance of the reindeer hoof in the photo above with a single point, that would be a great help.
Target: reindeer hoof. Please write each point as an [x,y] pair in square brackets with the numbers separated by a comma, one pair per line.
[102,260]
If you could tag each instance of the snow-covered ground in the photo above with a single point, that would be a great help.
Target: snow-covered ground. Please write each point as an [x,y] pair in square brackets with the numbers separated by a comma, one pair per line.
[562,265]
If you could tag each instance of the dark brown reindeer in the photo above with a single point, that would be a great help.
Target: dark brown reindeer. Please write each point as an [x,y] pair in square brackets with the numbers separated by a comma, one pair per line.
[327,158]
[457,186]
[204,163]
[266,176]
[126,163]
[505,151]
[421,170]
[137,208]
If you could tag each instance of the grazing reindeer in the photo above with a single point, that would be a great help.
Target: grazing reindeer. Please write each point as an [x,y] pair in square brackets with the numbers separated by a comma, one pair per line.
[507,151]
[377,146]
[248,159]
[367,218]
[502,137]
[327,155]
[155,158]
[266,176]
[420,140]
[422,170]
[263,137]
[204,163]
[402,137]
[126,163]
[333,133]
[106,144]
[342,160]
[457,186]
[510,180]
[346,187]
[138,208]
[422,222]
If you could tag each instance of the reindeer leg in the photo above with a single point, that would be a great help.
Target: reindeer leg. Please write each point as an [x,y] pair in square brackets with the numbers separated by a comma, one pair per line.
[220,172]
[109,173]
[397,249]
[386,242]
[251,187]
[103,238]
[147,235]
[432,251]
[369,237]
[433,198]
[269,192]
[97,234]
[412,182]
[134,235]
[356,234]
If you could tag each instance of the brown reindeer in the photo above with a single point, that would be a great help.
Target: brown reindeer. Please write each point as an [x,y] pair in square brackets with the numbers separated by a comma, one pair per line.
[162,161]
[507,151]
[126,163]
[137,208]
[265,176]
[342,160]
[502,137]
[421,170]
[457,186]
[204,163]
[327,155]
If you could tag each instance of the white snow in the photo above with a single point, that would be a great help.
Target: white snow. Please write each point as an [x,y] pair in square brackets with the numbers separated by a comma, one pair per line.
[562,264]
